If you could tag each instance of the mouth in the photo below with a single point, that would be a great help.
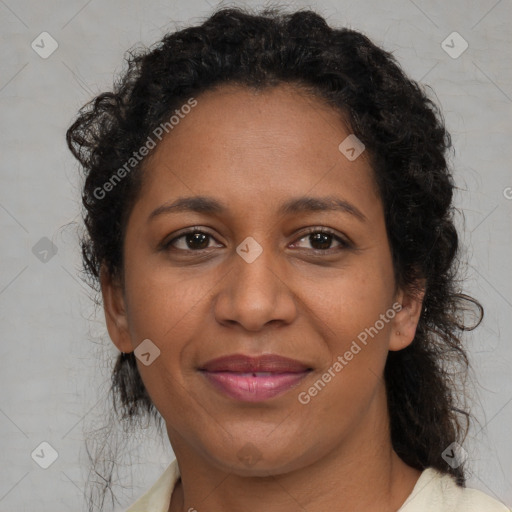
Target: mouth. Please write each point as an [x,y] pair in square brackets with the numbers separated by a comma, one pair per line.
[254,379]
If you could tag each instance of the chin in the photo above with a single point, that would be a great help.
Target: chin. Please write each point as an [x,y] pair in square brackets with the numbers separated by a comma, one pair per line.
[258,461]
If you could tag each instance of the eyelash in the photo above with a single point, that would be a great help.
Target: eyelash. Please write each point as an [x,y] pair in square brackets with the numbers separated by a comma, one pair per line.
[344,244]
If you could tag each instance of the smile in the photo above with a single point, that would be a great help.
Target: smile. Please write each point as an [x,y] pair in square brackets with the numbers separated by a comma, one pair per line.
[254,379]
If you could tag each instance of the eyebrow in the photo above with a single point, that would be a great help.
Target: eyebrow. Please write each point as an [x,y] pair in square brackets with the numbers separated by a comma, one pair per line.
[209,205]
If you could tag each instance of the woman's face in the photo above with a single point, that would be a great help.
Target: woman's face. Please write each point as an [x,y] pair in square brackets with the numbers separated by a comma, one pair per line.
[256,282]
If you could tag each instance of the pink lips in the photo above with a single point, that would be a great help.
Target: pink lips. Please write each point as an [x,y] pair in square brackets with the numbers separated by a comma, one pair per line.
[254,379]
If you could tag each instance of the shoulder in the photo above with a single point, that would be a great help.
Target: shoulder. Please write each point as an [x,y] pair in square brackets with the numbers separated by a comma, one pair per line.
[436,491]
[158,497]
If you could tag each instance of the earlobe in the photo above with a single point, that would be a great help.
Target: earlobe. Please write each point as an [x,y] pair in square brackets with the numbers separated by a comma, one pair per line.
[115,311]
[406,320]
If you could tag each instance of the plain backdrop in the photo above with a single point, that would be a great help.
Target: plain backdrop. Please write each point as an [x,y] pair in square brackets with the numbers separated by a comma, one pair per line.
[54,352]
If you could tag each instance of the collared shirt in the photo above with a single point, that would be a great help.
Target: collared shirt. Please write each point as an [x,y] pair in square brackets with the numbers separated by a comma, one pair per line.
[433,492]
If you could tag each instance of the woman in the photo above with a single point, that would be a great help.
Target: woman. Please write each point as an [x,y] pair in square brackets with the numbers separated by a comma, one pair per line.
[269,216]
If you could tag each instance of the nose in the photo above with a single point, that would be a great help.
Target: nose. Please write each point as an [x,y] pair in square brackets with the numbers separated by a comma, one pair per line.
[255,294]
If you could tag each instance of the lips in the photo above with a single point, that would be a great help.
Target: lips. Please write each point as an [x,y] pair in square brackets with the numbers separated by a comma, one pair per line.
[247,364]
[254,379]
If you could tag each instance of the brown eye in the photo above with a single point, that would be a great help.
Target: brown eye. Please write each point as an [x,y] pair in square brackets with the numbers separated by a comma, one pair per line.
[197,240]
[192,240]
[322,239]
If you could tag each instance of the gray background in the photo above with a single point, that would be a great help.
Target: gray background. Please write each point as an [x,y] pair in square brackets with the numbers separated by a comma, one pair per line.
[55,356]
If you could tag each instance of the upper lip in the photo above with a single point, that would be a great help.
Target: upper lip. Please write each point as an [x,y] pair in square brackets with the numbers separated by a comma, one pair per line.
[246,364]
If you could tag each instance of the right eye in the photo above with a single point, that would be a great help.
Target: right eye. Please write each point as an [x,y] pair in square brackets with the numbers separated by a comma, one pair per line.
[192,240]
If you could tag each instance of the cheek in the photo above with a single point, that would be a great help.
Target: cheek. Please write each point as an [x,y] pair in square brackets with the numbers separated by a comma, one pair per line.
[355,314]
[351,312]
[162,305]
[168,310]
[352,303]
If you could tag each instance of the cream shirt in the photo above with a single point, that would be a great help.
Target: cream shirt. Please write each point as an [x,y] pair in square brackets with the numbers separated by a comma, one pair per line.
[433,492]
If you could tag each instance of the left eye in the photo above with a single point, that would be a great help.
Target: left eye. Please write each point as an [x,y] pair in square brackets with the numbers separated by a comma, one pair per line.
[323,239]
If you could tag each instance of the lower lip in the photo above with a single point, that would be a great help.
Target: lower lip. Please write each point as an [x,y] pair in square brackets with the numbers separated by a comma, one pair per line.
[249,388]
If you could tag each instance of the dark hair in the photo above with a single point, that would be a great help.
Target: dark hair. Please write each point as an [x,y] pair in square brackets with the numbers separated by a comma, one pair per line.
[404,135]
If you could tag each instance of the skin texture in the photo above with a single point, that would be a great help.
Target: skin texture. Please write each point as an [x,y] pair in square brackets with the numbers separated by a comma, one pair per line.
[253,151]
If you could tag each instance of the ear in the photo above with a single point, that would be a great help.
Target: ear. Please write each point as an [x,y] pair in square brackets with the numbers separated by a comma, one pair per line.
[115,311]
[406,320]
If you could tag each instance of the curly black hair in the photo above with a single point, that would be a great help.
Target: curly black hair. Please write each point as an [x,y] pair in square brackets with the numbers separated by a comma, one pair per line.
[404,135]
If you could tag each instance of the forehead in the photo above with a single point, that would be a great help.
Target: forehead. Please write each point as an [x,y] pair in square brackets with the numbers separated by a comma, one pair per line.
[243,145]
